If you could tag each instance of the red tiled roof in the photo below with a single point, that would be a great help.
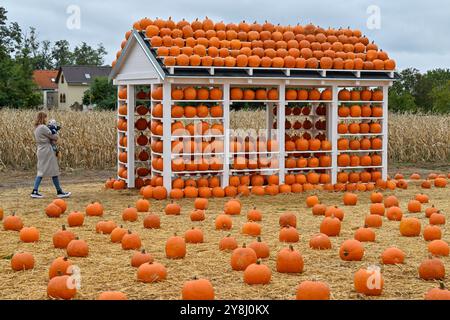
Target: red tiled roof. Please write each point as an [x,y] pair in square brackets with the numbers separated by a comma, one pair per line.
[45,79]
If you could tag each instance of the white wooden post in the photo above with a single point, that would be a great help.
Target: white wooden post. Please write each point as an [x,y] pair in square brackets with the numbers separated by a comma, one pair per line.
[167,135]
[130,132]
[385,128]
[226,139]
[332,132]
[281,117]
[269,118]
[118,133]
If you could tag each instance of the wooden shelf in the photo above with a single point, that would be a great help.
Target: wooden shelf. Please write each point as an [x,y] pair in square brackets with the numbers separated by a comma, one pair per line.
[359,151]
[309,101]
[191,119]
[307,169]
[360,102]
[303,152]
[360,134]
[190,101]
[359,167]
[359,118]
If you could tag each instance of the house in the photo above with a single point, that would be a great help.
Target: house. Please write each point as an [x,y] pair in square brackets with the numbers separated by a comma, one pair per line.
[73,81]
[309,104]
[45,81]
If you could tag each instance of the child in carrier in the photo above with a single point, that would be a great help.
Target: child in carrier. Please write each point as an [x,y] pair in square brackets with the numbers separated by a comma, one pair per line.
[54,128]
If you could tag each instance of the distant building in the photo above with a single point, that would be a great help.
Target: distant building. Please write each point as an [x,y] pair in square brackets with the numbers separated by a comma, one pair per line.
[73,81]
[46,82]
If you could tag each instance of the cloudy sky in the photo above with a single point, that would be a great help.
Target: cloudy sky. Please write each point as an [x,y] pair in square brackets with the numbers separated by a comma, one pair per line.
[415,33]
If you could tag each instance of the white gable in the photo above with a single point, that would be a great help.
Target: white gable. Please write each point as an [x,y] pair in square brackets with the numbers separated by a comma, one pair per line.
[136,65]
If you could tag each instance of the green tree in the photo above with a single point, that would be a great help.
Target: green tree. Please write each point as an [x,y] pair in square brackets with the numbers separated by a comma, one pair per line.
[84,54]
[441,98]
[101,93]
[61,54]
[424,89]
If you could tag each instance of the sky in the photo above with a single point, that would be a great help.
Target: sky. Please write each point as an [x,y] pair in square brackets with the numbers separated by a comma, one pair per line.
[414,33]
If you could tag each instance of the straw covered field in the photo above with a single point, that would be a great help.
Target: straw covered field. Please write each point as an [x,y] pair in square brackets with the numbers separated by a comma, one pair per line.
[108,266]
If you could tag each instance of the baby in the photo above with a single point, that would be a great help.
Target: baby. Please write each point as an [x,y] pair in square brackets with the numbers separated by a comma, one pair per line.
[54,128]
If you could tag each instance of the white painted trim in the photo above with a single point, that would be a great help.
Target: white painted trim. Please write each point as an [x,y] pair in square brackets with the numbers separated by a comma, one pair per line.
[281,127]
[130,137]
[226,127]
[167,144]
[385,128]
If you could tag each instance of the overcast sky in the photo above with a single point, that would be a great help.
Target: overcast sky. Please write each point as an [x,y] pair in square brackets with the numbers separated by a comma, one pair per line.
[415,33]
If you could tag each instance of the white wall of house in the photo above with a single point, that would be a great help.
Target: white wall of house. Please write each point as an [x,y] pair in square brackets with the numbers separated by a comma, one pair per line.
[73,93]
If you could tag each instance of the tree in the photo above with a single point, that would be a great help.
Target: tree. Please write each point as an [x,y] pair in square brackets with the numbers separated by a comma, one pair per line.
[441,98]
[86,55]
[101,93]
[61,54]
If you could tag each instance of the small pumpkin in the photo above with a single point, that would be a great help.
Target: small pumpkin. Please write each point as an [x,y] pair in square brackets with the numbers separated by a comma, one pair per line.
[223,222]
[368,282]
[313,290]
[130,214]
[193,235]
[242,257]
[22,261]
[152,221]
[311,201]
[175,247]
[393,255]
[228,243]
[350,199]
[59,266]
[432,269]
[289,261]
[414,206]
[438,293]
[53,211]
[117,234]
[62,238]
[431,233]
[112,296]
[61,287]
[172,209]
[437,219]
[30,234]
[320,242]
[289,234]
[77,248]
[373,221]
[257,273]
[330,226]
[351,250]
[151,272]
[410,227]
[394,213]
[140,257]
[365,235]
[198,215]
[131,241]
[94,209]
[12,223]
[201,203]
[197,289]
[439,248]
[232,207]
[142,205]
[261,248]
[75,219]
[288,219]
[254,215]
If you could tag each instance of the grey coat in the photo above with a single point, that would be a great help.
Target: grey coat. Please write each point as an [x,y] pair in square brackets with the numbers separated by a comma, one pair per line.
[47,165]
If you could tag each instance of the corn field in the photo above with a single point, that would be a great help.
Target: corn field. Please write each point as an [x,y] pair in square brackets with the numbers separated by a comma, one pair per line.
[88,139]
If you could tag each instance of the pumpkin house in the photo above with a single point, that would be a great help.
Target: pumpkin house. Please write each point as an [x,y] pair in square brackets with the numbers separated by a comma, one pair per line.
[325,92]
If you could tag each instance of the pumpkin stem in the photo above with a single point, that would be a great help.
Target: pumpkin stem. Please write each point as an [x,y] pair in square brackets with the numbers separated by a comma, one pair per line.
[65,258]
[259,239]
[244,245]
[258,262]
[143,251]
[291,247]
[63,227]
[129,231]
[441,285]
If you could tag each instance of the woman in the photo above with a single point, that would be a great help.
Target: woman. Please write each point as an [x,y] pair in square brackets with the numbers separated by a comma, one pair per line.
[47,165]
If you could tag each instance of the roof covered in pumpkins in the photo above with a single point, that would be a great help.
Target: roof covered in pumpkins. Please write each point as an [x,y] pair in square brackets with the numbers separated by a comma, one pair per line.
[205,49]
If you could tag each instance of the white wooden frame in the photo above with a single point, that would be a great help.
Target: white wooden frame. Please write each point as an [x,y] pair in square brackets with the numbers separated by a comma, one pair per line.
[225,84]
